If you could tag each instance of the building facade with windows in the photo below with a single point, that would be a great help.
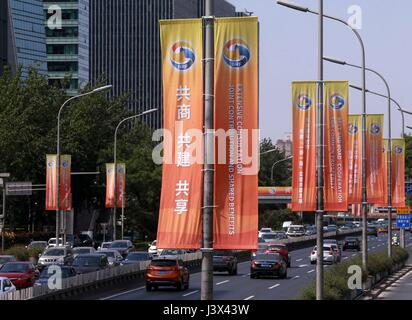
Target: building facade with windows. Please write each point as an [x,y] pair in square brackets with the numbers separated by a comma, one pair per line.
[67,36]
[22,38]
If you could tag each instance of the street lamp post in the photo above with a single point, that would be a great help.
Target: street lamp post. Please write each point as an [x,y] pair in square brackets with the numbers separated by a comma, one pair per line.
[115,169]
[3,177]
[100,89]
[276,163]
[320,131]
[389,145]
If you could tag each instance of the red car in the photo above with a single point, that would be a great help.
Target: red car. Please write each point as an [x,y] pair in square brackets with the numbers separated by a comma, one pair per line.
[283,251]
[21,274]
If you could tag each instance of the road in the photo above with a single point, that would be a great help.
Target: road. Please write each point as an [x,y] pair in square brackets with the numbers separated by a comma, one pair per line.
[241,287]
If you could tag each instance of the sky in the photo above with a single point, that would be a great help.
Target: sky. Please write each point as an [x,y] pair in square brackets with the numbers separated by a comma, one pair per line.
[289,48]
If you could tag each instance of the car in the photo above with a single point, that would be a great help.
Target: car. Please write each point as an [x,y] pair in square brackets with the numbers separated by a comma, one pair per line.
[270,237]
[225,260]
[350,225]
[344,228]
[286,225]
[5,259]
[55,255]
[21,274]
[85,263]
[123,246]
[282,249]
[82,250]
[167,271]
[382,229]
[330,228]
[281,235]
[261,249]
[153,248]
[113,256]
[137,256]
[352,243]
[333,241]
[105,245]
[268,264]
[295,231]
[66,272]
[6,286]
[310,231]
[172,252]
[80,240]
[52,242]
[329,254]
[357,224]
[260,240]
[372,231]
[264,230]
[37,245]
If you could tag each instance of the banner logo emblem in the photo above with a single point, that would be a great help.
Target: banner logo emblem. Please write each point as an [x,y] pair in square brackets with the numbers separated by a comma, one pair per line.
[65,163]
[182,56]
[236,53]
[51,164]
[304,102]
[375,128]
[337,102]
[353,129]
[398,149]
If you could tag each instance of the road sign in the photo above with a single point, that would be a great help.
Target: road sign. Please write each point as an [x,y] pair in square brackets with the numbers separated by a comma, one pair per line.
[19,188]
[403,221]
[403,210]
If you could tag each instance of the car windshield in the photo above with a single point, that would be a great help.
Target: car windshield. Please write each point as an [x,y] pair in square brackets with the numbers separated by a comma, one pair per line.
[276,247]
[108,253]
[54,252]
[4,260]
[296,229]
[53,241]
[171,252]
[119,245]
[141,256]
[265,230]
[81,250]
[269,236]
[163,263]
[86,261]
[15,268]
[106,245]
[267,257]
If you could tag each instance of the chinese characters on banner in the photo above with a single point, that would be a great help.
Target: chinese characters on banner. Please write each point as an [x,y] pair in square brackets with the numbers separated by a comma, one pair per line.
[120,185]
[336,145]
[182,181]
[355,160]
[304,146]
[236,112]
[65,182]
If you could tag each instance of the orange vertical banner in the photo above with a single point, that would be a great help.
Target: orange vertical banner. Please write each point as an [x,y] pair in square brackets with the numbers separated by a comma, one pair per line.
[383,200]
[304,146]
[355,159]
[236,113]
[51,182]
[109,185]
[336,145]
[374,165]
[398,173]
[182,179]
[121,185]
[65,182]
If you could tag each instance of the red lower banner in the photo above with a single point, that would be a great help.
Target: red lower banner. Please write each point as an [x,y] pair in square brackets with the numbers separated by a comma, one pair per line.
[109,185]
[121,185]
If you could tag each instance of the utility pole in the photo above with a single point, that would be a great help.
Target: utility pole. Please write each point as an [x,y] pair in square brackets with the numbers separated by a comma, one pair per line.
[208,196]
[320,163]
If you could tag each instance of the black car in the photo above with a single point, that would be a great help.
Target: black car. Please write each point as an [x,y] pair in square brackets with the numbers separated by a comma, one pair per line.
[268,264]
[137,256]
[372,231]
[225,260]
[123,246]
[66,272]
[351,243]
[85,263]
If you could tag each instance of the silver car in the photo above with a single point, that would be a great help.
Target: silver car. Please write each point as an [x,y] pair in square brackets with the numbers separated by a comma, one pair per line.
[113,256]
[56,255]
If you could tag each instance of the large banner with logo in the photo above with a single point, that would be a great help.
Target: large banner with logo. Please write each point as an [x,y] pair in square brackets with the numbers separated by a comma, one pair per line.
[304,146]
[374,165]
[65,182]
[182,180]
[121,185]
[109,185]
[236,121]
[355,160]
[383,201]
[398,173]
[336,145]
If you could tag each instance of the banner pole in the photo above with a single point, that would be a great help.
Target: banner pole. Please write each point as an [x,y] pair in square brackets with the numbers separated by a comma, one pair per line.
[208,183]
[320,164]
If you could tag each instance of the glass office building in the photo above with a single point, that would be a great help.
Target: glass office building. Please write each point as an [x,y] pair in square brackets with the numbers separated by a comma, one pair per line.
[22,38]
[68,43]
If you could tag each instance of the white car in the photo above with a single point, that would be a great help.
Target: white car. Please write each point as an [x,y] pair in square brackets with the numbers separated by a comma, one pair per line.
[105,245]
[6,286]
[153,248]
[329,254]
[52,242]
[263,231]
[296,231]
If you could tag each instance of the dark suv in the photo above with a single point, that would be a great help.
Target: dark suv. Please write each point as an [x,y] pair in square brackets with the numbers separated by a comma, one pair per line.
[351,243]
[225,260]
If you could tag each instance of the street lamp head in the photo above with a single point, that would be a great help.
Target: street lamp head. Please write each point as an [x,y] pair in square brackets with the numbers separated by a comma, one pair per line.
[148,111]
[357,88]
[293,6]
[108,87]
[333,60]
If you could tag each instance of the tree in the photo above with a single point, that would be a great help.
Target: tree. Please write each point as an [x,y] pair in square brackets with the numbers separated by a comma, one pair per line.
[282,171]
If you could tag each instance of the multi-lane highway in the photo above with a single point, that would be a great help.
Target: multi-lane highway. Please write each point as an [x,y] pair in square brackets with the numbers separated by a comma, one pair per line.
[241,287]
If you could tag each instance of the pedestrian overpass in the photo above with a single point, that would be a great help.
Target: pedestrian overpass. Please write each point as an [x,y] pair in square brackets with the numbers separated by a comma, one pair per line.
[275,195]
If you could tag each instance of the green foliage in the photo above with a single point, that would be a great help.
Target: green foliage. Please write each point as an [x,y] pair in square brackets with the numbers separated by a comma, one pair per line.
[274,218]
[282,172]
[20,253]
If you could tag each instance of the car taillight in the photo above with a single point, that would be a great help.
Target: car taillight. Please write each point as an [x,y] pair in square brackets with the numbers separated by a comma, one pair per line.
[253,264]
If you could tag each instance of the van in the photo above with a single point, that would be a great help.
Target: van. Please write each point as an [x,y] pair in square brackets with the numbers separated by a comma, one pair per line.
[286,225]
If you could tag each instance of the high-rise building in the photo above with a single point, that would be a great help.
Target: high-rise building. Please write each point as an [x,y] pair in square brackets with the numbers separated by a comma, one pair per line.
[125,46]
[22,38]
[285,145]
[67,42]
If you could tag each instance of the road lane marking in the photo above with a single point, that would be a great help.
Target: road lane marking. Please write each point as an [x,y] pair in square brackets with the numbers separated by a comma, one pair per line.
[303,266]
[353,254]
[122,294]
[190,293]
[274,286]
[299,260]
[248,298]
[345,258]
[246,275]
[222,282]
[310,271]
[295,277]
[373,248]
